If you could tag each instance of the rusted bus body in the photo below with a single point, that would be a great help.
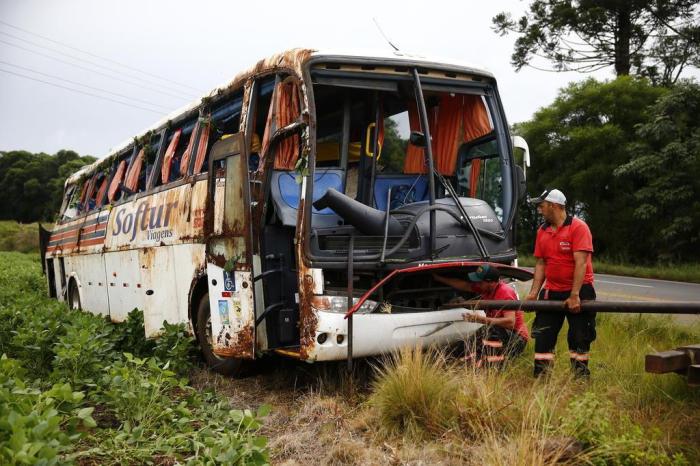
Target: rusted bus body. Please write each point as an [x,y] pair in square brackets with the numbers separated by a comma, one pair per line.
[255,214]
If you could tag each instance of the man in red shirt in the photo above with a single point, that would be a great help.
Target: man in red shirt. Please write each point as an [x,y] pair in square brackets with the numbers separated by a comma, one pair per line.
[563,250]
[505,333]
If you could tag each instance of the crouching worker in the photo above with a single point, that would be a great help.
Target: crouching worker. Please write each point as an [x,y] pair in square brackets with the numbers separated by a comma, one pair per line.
[504,334]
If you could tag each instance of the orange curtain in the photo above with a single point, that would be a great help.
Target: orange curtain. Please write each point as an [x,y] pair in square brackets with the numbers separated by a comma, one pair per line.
[445,133]
[116,181]
[267,134]
[83,193]
[132,174]
[474,177]
[476,118]
[415,156]
[167,163]
[202,147]
[90,189]
[458,119]
[288,110]
[185,160]
[99,199]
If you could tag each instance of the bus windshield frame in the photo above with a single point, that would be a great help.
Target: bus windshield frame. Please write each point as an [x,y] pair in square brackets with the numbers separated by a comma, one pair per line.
[424,84]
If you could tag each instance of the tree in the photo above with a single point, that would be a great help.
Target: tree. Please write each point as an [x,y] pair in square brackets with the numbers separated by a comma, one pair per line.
[665,172]
[652,38]
[577,143]
[32,184]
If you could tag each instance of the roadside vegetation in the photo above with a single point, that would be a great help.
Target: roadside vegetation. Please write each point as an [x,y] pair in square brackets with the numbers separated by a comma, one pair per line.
[75,388]
[675,272]
[22,237]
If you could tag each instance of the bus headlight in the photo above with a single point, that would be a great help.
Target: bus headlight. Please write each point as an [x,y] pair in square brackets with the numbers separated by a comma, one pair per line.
[339,304]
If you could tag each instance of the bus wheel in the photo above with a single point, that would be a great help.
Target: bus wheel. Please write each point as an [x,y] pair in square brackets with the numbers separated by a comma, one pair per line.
[74,295]
[225,366]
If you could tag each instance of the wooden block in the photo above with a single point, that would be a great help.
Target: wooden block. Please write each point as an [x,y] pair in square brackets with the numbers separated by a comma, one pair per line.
[693,351]
[666,361]
[694,375]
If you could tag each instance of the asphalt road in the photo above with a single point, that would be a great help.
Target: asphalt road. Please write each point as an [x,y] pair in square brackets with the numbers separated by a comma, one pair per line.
[617,288]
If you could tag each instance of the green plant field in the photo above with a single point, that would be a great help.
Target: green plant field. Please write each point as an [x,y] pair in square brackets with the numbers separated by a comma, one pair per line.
[75,388]
[675,272]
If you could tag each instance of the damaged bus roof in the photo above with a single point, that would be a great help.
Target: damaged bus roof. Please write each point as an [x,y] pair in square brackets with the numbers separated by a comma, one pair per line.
[295,59]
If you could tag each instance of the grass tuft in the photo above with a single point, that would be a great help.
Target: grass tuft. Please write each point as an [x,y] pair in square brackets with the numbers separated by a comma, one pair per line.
[416,394]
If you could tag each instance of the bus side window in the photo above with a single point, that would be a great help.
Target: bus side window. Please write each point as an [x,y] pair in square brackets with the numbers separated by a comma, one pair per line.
[72,201]
[115,185]
[151,149]
[287,109]
[260,121]
[177,145]
[224,121]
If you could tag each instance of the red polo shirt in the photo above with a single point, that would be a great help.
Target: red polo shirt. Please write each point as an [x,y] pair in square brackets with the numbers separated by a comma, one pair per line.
[557,248]
[503,291]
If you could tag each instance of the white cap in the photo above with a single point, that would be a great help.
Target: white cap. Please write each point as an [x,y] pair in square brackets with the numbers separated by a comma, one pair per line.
[550,195]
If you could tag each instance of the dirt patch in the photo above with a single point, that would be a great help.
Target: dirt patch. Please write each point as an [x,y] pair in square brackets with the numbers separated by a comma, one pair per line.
[319,414]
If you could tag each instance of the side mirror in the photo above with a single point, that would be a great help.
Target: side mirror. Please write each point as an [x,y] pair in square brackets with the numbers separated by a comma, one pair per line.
[522,184]
[417,139]
[521,143]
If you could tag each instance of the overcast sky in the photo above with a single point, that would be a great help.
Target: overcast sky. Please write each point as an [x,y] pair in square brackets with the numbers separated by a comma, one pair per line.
[202,44]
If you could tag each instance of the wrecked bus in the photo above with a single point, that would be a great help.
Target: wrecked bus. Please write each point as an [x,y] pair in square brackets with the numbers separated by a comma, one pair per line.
[311,185]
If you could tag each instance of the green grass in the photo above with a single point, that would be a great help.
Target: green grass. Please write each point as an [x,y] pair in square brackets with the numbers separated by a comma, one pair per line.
[21,237]
[676,272]
[75,388]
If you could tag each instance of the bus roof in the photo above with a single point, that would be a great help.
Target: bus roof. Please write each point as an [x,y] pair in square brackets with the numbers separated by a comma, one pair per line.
[294,59]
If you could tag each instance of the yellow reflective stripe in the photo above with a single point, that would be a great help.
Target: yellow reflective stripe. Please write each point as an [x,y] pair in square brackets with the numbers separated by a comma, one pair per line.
[492,343]
[582,357]
[495,358]
[544,356]
[573,354]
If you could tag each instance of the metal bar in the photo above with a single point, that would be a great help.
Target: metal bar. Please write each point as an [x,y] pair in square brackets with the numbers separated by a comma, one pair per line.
[631,307]
[375,148]
[351,247]
[386,224]
[428,153]
[345,141]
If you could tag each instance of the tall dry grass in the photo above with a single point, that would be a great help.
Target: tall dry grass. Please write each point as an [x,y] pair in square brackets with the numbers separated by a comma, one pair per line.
[622,415]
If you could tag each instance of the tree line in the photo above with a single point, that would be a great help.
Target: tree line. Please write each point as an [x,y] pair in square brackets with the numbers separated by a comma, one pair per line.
[32,184]
[627,156]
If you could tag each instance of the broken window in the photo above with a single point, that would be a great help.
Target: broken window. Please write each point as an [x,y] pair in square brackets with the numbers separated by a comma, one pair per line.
[479,173]
[357,117]
[177,155]
[71,199]
[115,185]
[223,120]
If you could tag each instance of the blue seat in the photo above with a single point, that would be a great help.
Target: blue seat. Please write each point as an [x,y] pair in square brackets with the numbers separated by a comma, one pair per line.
[285,193]
[406,189]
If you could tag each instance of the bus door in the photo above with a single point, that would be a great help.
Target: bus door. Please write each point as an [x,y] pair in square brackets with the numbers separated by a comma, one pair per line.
[229,253]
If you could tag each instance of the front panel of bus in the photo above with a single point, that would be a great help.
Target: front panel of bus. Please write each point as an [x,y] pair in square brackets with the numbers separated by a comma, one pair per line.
[372,203]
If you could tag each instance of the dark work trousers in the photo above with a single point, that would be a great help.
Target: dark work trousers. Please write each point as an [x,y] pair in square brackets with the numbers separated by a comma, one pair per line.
[581,334]
[492,346]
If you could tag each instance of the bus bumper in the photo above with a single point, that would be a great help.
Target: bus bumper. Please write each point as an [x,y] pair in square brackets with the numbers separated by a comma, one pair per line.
[379,333]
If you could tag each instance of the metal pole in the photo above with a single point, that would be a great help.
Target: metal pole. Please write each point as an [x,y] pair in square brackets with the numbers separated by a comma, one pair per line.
[429,155]
[351,247]
[631,307]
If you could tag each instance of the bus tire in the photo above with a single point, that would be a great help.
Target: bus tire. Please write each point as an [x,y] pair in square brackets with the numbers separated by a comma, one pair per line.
[74,295]
[224,366]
